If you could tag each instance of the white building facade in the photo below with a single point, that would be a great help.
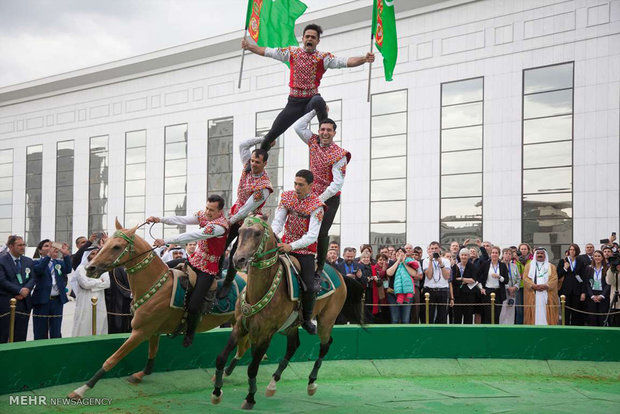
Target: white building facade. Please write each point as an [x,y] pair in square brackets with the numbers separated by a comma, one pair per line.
[502,123]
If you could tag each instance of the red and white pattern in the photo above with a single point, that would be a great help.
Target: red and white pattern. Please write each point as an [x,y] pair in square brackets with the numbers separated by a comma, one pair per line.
[206,257]
[298,219]
[307,69]
[322,160]
[249,186]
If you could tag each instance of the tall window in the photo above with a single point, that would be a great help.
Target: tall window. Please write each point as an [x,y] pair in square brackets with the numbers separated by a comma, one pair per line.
[98,185]
[175,176]
[64,192]
[548,157]
[135,178]
[335,113]
[275,165]
[462,119]
[219,160]
[388,168]
[6,193]
[34,172]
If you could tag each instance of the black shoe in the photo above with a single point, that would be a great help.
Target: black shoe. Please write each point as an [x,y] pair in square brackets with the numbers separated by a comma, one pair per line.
[309,327]
[224,290]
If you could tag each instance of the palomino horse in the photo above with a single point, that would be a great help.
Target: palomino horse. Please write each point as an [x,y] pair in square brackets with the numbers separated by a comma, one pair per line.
[151,282]
[266,307]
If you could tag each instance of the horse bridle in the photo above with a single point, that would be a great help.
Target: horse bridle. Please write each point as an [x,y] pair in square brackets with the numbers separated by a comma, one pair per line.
[255,260]
[129,248]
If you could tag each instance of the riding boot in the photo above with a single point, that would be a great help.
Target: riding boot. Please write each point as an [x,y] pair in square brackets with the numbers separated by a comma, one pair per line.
[230,276]
[321,253]
[192,323]
[307,303]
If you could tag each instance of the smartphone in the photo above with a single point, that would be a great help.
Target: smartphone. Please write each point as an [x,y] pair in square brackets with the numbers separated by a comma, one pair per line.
[613,234]
[57,245]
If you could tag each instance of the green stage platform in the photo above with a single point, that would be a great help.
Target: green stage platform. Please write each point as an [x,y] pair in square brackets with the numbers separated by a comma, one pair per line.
[384,369]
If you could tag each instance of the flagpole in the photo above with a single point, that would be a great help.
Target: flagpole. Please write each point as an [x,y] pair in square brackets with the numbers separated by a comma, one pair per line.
[245,33]
[372,43]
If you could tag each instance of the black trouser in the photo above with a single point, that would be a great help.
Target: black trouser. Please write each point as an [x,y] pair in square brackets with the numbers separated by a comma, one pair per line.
[203,283]
[21,321]
[486,308]
[295,108]
[438,313]
[233,234]
[323,240]
[574,318]
[597,307]
[306,262]
[464,314]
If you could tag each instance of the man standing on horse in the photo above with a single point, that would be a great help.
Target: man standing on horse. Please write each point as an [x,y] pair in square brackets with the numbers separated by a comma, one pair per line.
[300,214]
[211,238]
[328,163]
[307,68]
[252,193]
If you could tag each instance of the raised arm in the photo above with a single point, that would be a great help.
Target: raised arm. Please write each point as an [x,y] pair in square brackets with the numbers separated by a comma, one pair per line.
[339,170]
[302,127]
[258,50]
[245,147]
[360,60]
[207,232]
[179,220]
[252,203]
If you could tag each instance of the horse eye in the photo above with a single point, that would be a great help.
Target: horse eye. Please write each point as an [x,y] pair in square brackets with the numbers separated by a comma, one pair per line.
[116,247]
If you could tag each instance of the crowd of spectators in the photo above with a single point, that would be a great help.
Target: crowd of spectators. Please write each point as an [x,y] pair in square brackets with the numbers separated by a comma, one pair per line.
[458,279]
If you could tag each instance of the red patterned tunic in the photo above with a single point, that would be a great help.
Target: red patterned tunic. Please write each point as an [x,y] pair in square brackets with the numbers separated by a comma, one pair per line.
[307,69]
[206,257]
[298,219]
[321,161]
[249,186]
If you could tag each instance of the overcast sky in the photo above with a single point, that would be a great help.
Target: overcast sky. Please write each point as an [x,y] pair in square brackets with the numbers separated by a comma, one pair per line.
[39,38]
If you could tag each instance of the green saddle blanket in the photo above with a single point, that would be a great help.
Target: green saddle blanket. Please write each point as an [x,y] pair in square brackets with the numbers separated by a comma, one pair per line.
[222,306]
[330,281]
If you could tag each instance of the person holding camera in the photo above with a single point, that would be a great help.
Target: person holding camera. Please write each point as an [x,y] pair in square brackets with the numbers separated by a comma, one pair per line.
[402,271]
[611,278]
[49,296]
[597,289]
[571,274]
[507,316]
[436,282]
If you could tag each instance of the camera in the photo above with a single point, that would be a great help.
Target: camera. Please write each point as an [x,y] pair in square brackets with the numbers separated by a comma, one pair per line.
[614,260]
[511,301]
[435,255]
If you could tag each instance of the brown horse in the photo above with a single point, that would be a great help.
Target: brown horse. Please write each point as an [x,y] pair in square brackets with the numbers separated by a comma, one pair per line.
[151,282]
[266,307]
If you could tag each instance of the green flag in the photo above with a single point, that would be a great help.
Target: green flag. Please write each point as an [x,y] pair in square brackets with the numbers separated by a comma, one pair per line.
[384,32]
[271,23]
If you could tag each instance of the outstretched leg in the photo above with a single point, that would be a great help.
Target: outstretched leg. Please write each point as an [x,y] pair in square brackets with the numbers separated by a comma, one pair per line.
[129,345]
[242,347]
[258,351]
[220,362]
[317,365]
[137,377]
[292,343]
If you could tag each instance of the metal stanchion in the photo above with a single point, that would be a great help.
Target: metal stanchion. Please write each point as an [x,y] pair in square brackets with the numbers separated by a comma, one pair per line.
[493,308]
[563,302]
[427,299]
[13,304]
[94,302]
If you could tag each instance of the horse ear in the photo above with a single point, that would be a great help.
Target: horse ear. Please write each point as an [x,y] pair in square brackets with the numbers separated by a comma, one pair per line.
[132,231]
[117,224]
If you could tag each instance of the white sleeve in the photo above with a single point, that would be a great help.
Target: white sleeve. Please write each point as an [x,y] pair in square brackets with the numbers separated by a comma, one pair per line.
[244,148]
[281,54]
[338,173]
[85,282]
[313,230]
[252,203]
[302,126]
[332,62]
[179,220]
[278,220]
[210,230]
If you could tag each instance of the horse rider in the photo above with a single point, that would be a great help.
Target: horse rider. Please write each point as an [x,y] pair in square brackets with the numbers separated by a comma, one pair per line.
[328,163]
[252,193]
[211,238]
[300,214]
[307,68]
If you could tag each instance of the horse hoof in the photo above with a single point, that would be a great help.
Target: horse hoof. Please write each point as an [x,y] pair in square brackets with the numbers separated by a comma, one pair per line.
[74,396]
[271,388]
[246,405]
[134,379]
[312,389]
[215,399]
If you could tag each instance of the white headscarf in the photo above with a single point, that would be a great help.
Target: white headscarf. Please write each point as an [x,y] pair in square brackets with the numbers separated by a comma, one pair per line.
[538,272]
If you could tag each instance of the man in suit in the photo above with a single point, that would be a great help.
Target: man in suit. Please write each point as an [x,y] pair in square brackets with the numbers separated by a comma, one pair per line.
[349,267]
[16,281]
[49,294]
[586,258]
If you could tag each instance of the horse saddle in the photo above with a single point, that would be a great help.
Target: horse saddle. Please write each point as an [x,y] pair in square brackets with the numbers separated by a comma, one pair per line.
[183,283]
[329,281]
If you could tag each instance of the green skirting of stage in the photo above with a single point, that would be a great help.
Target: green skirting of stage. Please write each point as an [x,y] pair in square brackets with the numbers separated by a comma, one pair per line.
[422,368]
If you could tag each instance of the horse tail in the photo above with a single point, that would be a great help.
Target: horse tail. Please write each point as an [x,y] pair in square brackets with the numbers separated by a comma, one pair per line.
[353,308]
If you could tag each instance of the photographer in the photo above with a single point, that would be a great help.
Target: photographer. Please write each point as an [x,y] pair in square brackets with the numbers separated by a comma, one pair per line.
[437,275]
[612,280]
